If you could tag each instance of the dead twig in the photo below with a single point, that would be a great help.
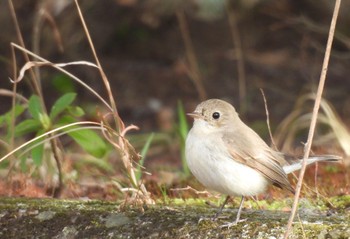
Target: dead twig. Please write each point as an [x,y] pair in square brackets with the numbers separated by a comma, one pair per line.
[35,84]
[237,44]
[125,149]
[268,120]
[314,115]
[189,188]
[194,71]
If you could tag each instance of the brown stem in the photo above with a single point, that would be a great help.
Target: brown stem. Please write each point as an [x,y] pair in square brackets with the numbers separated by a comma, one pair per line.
[237,43]
[191,56]
[314,115]
[57,190]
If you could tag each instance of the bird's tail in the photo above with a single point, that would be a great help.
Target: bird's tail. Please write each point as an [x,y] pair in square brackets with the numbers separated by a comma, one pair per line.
[297,164]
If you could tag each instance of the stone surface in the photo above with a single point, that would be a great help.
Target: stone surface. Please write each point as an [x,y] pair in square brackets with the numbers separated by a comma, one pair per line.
[49,218]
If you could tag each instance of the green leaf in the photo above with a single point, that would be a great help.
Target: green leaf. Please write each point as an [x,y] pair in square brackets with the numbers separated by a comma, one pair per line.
[37,153]
[97,163]
[5,164]
[7,117]
[76,111]
[2,120]
[90,142]
[64,120]
[63,83]
[183,125]
[45,121]
[146,146]
[23,163]
[183,130]
[62,104]
[34,107]
[143,155]
[27,126]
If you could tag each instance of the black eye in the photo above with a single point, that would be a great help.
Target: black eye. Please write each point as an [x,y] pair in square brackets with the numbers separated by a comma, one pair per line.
[216,115]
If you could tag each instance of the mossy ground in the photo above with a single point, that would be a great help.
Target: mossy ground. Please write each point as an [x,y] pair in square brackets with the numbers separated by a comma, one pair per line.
[50,218]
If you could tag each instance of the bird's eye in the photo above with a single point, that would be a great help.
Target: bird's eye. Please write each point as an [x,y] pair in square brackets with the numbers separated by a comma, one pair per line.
[216,115]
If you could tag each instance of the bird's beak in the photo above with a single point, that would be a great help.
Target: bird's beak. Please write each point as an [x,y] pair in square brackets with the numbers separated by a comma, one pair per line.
[195,115]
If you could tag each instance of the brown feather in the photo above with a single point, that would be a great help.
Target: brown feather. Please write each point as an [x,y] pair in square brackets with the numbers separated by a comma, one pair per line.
[266,161]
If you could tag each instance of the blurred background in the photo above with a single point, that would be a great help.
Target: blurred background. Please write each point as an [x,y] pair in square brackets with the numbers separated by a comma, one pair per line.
[159,54]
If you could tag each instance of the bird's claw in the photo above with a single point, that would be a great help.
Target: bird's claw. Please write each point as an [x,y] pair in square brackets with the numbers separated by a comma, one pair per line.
[213,219]
[228,225]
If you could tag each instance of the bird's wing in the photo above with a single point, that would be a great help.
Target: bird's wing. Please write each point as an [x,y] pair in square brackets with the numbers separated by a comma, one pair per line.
[255,153]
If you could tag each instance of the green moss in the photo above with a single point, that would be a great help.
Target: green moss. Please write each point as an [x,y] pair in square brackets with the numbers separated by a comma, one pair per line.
[341,202]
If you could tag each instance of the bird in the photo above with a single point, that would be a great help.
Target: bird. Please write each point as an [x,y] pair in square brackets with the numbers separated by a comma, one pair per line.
[227,156]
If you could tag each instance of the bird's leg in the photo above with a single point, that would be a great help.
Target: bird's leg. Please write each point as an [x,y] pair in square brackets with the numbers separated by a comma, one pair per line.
[221,207]
[239,211]
[228,225]
[218,212]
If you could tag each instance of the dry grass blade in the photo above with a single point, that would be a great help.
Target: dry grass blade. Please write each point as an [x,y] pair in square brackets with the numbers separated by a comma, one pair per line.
[268,120]
[31,64]
[194,71]
[125,149]
[189,188]
[42,16]
[33,80]
[339,129]
[314,115]
[47,139]
[48,63]
[9,93]
[119,122]
[237,43]
[298,120]
[35,83]
[122,145]
[47,134]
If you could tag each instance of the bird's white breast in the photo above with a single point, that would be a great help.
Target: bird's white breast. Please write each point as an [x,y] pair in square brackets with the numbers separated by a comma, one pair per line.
[212,165]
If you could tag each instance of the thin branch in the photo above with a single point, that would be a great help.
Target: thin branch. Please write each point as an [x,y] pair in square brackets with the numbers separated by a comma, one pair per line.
[189,188]
[103,75]
[267,119]
[46,134]
[58,157]
[31,64]
[33,81]
[314,115]
[237,44]
[125,148]
[14,100]
[13,94]
[191,56]
[57,135]
[65,72]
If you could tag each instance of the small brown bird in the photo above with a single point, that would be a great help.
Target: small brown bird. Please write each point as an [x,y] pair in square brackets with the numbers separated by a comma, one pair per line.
[227,156]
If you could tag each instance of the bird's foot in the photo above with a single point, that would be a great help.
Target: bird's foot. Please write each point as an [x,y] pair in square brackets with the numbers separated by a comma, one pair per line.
[228,225]
[216,217]
[213,219]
